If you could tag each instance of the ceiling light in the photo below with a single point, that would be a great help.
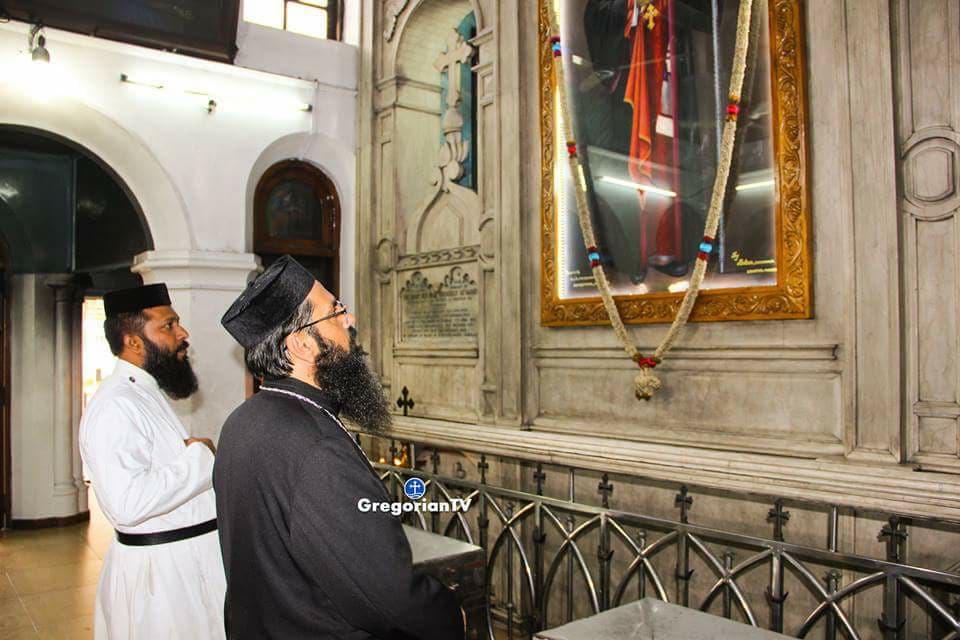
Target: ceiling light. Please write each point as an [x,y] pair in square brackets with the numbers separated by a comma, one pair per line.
[211,103]
[38,49]
[141,82]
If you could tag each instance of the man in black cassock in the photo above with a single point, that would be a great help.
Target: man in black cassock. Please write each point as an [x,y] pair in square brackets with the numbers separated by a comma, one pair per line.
[301,560]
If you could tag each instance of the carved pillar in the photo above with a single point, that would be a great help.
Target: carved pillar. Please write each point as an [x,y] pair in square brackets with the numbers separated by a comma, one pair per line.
[76,391]
[65,489]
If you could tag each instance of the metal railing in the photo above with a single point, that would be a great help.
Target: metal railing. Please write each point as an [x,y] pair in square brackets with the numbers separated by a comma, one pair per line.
[537,551]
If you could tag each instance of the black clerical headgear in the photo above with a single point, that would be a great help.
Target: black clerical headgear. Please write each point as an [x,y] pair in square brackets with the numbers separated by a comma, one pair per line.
[267,302]
[135,299]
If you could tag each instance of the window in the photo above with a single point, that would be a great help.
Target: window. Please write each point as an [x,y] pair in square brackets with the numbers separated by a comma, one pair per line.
[297,211]
[314,18]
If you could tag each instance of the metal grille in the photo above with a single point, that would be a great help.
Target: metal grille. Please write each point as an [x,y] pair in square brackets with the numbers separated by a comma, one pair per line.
[551,560]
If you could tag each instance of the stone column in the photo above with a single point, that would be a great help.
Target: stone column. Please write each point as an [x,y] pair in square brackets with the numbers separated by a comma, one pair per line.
[202,285]
[77,398]
[65,491]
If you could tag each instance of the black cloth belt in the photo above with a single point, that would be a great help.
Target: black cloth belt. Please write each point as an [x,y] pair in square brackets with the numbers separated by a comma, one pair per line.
[166,537]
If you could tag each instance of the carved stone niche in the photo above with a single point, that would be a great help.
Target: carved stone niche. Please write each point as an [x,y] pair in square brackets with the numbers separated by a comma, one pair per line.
[433,332]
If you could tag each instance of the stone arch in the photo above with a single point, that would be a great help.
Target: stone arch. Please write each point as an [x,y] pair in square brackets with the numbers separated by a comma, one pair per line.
[133,164]
[408,17]
[329,156]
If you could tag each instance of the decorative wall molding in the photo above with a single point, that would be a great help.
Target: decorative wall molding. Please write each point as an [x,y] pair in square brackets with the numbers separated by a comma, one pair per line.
[408,351]
[926,38]
[393,82]
[391,13]
[887,488]
[457,255]
[206,270]
[827,352]
[795,445]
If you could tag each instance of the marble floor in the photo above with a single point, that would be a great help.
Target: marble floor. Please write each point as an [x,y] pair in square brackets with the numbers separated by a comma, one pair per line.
[48,579]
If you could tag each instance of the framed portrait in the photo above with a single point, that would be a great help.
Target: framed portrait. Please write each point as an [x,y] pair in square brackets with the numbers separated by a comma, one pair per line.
[647,82]
[296,211]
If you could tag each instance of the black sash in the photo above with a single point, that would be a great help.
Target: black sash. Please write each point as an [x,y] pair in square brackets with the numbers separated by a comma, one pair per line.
[166,537]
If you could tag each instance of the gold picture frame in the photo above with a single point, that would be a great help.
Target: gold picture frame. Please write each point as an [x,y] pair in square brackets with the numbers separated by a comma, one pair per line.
[792,296]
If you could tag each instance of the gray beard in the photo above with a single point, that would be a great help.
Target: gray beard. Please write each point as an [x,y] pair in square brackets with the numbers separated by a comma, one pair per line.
[345,377]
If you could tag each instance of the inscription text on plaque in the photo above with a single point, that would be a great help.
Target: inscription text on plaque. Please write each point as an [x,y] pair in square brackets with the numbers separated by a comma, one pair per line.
[446,310]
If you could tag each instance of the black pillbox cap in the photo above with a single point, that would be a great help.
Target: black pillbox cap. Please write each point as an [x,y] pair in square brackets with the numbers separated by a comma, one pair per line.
[267,302]
[135,299]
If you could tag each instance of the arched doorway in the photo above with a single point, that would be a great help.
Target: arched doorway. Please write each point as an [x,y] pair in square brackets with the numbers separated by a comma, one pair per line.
[296,211]
[73,228]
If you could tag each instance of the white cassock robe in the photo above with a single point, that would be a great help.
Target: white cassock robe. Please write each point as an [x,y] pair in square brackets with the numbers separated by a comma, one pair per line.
[147,480]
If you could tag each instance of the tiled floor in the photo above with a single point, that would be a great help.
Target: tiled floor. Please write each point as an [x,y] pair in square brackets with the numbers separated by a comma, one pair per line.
[48,579]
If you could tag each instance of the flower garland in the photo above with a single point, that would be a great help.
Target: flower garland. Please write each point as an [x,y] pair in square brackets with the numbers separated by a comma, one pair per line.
[646,383]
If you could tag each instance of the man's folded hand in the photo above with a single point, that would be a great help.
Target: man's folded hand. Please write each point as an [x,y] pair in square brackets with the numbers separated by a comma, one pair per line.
[204,441]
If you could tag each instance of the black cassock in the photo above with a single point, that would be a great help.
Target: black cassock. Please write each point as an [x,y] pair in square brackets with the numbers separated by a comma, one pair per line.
[301,560]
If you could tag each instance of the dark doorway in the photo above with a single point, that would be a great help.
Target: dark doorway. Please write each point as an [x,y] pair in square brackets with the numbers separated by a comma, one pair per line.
[62,211]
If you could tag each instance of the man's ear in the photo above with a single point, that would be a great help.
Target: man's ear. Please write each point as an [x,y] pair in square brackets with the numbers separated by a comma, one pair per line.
[298,347]
[133,343]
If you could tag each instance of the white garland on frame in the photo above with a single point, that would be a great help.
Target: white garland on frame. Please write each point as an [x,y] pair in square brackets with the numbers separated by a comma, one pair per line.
[646,383]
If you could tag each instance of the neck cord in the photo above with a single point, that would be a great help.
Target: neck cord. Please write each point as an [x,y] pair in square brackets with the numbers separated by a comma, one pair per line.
[325,410]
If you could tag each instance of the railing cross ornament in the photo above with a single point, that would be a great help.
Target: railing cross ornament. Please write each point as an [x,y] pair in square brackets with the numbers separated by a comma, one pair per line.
[891,619]
[896,537]
[779,518]
[539,476]
[683,501]
[435,461]
[405,402]
[482,467]
[605,489]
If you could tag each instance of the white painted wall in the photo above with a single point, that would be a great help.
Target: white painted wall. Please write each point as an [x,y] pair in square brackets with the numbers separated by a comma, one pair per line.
[295,55]
[192,172]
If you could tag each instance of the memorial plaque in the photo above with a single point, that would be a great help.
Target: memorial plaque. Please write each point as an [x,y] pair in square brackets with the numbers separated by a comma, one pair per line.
[447,309]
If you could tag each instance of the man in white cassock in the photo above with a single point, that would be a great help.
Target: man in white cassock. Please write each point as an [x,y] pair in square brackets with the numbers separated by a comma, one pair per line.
[162,577]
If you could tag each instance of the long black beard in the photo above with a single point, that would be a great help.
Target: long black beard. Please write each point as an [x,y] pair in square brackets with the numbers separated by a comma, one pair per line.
[347,379]
[175,376]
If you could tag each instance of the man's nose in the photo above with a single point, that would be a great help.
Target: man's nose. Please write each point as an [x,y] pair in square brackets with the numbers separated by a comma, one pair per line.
[350,319]
[183,334]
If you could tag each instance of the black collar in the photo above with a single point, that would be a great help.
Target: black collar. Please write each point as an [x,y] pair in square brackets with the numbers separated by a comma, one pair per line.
[306,390]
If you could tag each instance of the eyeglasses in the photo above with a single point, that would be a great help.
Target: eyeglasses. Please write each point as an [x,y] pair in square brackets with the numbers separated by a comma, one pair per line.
[338,312]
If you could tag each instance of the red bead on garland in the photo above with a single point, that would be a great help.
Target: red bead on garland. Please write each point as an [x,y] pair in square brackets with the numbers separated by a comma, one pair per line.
[733,107]
[643,361]
[572,149]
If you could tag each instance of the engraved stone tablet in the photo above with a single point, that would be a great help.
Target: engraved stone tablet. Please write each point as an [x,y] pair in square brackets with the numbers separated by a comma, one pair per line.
[447,309]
